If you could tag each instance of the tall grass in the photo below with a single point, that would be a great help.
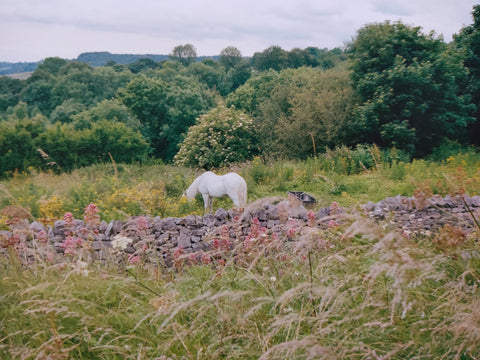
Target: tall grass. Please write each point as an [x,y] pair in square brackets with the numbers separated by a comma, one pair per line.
[353,291]
[349,177]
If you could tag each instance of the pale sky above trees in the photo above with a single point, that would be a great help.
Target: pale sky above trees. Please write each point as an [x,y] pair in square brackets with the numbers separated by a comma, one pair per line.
[31,30]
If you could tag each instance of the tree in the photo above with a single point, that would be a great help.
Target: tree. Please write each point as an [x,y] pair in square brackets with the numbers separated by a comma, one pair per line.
[406,82]
[250,95]
[230,57]
[146,99]
[112,110]
[141,64]
[210,73]
[9,92]
[185,54]
[18,150]
[51,65]
[166,110]
[467,44]
[274,58]
[223,135]
[186,100]
[319,114]
[238,75]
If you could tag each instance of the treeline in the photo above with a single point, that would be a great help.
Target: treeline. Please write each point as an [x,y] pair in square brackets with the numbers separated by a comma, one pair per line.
[392,86]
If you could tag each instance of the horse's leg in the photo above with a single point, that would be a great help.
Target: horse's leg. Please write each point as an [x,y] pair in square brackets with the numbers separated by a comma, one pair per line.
[206,202]
[210,203]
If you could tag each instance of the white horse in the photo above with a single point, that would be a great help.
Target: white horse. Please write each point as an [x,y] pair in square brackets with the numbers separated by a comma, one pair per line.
[211,186]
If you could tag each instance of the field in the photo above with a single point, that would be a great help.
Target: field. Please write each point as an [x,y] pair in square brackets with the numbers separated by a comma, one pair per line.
[354,289]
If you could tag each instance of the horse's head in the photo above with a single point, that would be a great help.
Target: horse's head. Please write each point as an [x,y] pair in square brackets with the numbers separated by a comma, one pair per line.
[191,192]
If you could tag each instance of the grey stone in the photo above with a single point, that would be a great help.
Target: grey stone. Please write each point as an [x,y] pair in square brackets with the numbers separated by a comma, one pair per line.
[221,214]
[184,241]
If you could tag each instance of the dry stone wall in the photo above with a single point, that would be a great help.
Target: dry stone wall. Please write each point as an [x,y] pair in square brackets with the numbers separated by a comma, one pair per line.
[160,238]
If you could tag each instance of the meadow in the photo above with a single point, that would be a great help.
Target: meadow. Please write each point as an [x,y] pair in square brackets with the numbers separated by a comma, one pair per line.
[353,290]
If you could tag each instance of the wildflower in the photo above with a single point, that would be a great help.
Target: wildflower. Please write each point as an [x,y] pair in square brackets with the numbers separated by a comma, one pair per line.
[311,218]
[68,218]
[192,259]
[178,252]
[71,244]
[120,242]
[333,224]
[334,208]
[206,259]
[134,259]
[81,268]
[42,237]
[291,232]
[50,257]
[142,224]
[91,218]
[273,279]
[216,243]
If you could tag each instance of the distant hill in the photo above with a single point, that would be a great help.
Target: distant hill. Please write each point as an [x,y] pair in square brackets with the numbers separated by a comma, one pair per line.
[101,58]
[98,58]
[7,68]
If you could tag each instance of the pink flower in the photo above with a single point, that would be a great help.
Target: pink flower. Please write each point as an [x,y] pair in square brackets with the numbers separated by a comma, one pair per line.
[333,224]
[206,259]
[134,259]
[68,218]
[142,223]
[91,217]
[291,232]
[192,259]
[334,208]
[50,257]
[178,252]
[42,237]
[311,218]
[71,244]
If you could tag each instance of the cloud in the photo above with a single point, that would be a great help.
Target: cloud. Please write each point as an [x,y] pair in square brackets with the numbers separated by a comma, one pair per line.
[392,8]
[34,29]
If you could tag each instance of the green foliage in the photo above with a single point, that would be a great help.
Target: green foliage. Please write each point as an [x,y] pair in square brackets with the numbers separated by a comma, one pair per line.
[223,135]
[166,110]
[299,112]
[9,92]
[18,144]
[406,81]
[184,54]
[72,148]
[467,45]
[112,110]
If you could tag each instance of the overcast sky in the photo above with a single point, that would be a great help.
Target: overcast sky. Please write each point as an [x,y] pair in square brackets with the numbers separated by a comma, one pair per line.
[31,30]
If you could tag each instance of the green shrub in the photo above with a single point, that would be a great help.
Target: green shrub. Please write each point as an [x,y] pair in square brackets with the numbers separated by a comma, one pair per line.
[223,135]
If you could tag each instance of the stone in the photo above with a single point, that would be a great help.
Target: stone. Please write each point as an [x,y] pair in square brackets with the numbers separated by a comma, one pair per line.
[221,214]
[184,241]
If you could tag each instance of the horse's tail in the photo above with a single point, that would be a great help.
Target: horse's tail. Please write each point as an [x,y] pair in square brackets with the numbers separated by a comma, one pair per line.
[242,194]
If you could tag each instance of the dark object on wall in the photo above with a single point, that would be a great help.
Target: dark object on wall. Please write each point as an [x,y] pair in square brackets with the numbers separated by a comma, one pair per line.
[305,198]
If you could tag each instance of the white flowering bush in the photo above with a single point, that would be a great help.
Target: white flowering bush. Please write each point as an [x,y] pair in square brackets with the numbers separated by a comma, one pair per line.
[223,135]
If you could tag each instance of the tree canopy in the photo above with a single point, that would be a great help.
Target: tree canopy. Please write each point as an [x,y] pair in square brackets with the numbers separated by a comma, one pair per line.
[392,85]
